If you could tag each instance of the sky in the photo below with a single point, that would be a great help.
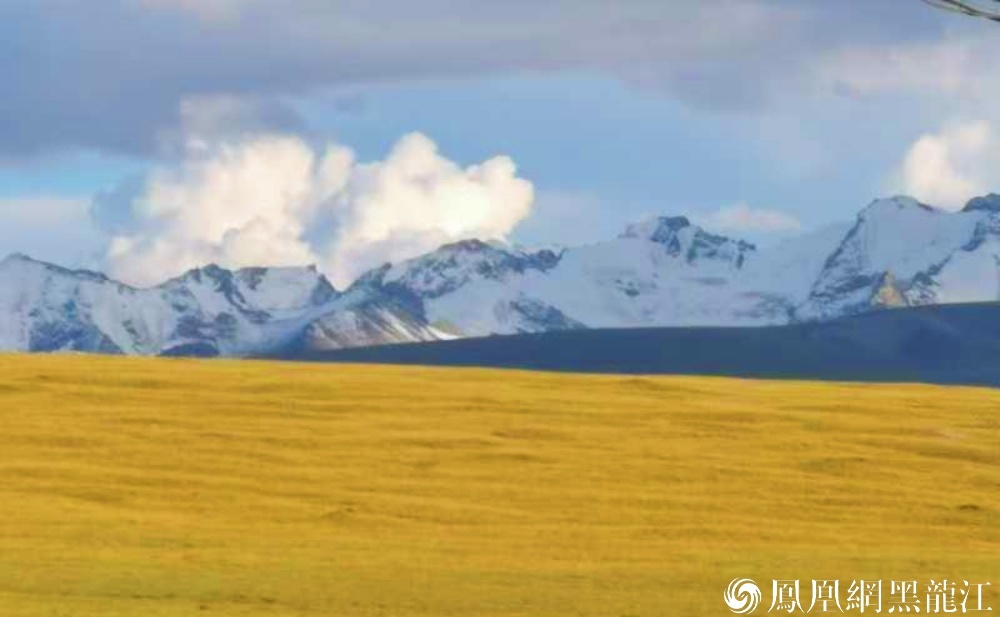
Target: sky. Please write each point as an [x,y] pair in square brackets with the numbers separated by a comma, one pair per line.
[146,137]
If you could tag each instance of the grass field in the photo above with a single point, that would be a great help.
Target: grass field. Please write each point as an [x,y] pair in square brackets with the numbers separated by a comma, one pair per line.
[164,488]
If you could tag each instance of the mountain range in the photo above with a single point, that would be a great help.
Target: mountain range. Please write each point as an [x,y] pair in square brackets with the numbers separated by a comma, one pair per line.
[664,271]
[943,344]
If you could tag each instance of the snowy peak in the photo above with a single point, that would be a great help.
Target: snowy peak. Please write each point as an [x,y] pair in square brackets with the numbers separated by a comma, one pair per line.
[15,258]
[904,235]
[20,262]
[208,311]
[892,206]
[267,290]
[704,245]
[664,271]
[986,203]
[284,289]
[455,265]
[692,243]
[661,229]
[918,249]
[210,276]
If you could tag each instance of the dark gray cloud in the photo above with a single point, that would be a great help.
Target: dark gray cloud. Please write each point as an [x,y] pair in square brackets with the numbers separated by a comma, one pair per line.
[123,75]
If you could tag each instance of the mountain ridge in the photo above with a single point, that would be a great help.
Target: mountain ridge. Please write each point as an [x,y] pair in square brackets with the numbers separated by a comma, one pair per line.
[947,344]
[662,272]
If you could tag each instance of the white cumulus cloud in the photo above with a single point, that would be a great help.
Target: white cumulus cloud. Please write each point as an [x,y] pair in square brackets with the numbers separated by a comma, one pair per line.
[277,200]
[948,168]
[416,200]
[747,219]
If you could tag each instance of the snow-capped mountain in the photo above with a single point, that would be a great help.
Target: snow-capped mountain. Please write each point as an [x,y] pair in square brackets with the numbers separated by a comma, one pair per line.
[668,272]
[903,253]
[665,271]
[209,311]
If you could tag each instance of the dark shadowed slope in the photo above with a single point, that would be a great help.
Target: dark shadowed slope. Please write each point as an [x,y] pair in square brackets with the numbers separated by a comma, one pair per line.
[957,344]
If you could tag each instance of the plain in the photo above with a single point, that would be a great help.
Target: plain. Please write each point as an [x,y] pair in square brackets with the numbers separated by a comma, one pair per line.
[180,487]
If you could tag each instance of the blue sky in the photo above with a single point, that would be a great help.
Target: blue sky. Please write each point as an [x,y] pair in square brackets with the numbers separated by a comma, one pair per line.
[758,118]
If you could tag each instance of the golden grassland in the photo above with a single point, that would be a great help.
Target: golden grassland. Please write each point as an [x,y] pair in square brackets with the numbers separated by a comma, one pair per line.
[136,487]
